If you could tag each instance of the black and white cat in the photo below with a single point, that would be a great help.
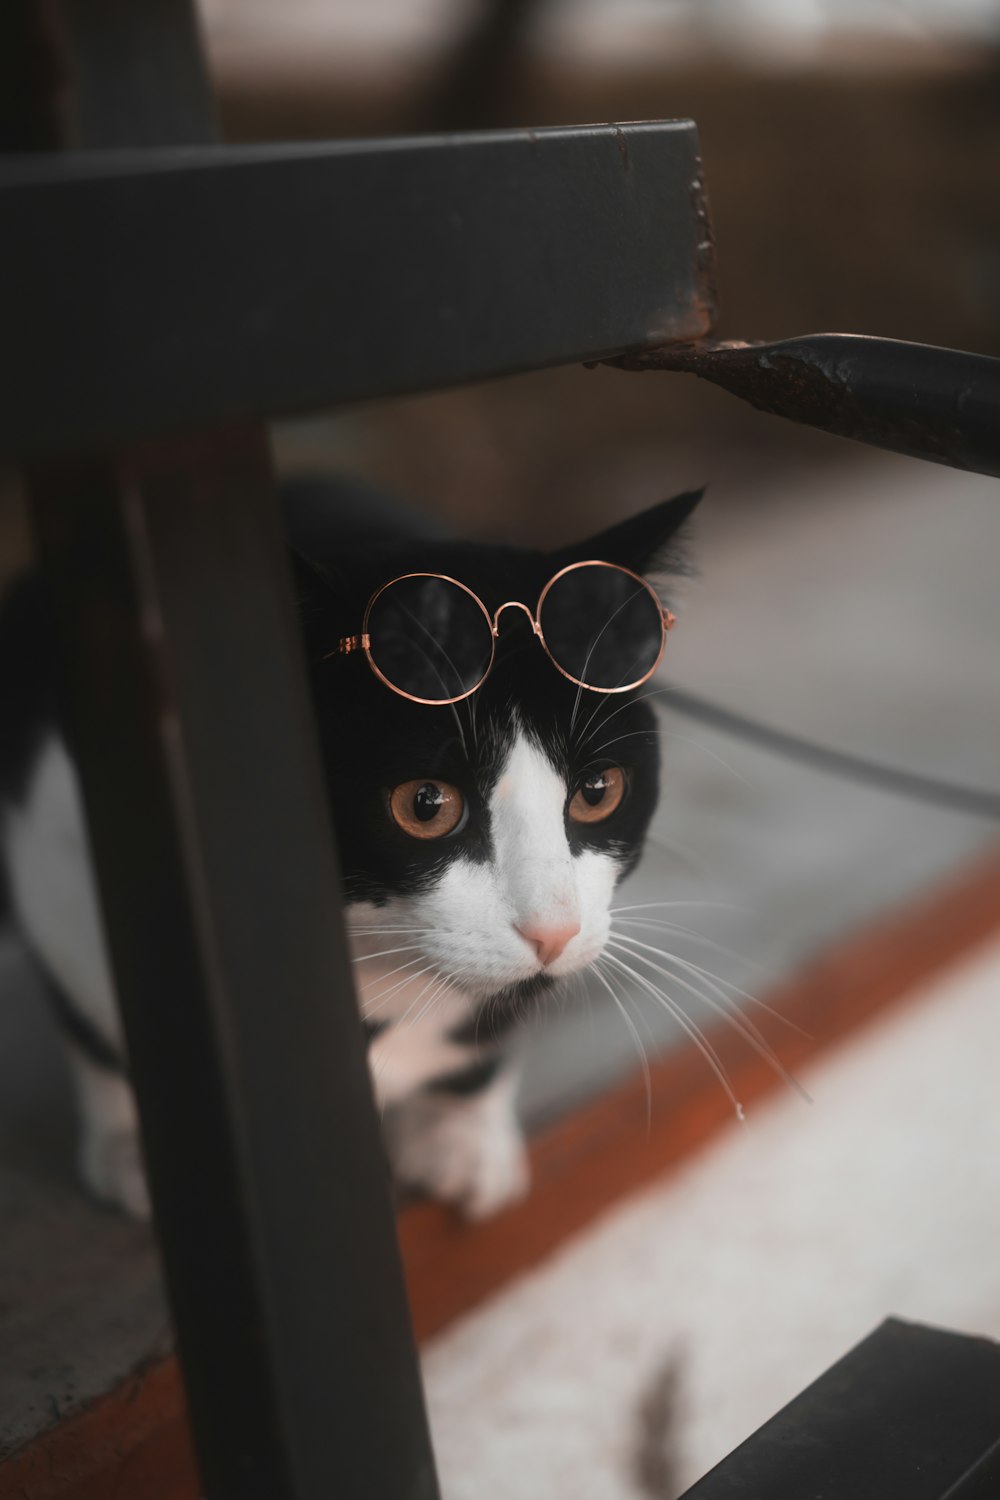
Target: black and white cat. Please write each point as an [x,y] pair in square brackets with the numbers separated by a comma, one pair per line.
[480,842]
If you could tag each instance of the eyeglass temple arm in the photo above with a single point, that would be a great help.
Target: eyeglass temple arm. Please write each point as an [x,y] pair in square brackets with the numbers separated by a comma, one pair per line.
[347,644]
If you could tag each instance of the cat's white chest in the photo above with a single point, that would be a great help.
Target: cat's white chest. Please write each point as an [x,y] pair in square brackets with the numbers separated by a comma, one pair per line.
[415,1015]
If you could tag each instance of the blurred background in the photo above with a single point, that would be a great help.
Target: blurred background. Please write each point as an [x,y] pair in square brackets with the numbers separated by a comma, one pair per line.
[852,157]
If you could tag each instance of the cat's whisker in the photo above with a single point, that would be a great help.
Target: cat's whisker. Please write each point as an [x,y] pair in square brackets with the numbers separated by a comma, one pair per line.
[461,731]
[576,708]
[397,1036]
[686,739]
[471,704]
[365,933]
[625,677]
[687,1025]
[629,671]
[361,958]
[715,983]
[398,1028]
[674,905]
[439,990]
[629,703]
[400,1024]
[383,996]
[441,985]
[437,994]
[684,930]
[607,717]
[657,924]
[631,735]
[597,970]
[481,1015]
[376,978]
[593,647]
[681,857]
[641,1019]
[352,931]
[690,933]
[493,1016]
[740,1023]
[721,1005]
[372,1010]
[715,947]
[427,656]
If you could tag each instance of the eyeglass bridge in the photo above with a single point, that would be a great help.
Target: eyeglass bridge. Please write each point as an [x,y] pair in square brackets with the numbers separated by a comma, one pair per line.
[514,604]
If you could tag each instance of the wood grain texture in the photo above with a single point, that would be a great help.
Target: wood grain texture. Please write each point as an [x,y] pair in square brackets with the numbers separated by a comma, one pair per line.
[134,1444]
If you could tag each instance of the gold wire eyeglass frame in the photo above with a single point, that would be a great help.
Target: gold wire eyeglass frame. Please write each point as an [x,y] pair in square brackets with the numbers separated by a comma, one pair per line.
[362,641]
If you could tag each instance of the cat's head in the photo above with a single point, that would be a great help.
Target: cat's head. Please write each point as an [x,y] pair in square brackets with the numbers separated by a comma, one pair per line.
[490,832]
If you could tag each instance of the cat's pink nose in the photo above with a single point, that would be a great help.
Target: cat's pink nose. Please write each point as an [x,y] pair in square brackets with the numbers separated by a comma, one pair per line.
[548,942]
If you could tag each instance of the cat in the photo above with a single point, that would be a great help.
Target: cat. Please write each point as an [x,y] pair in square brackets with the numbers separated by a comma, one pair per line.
[480,841]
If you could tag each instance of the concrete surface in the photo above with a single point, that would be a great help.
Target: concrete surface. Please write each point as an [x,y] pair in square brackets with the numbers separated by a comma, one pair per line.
[683,1320]
[80,1297]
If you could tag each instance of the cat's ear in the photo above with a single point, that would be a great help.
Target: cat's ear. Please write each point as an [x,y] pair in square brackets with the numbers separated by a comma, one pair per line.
[650,542]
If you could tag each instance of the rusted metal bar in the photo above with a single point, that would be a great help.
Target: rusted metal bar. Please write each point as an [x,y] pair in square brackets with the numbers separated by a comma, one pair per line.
[938,404]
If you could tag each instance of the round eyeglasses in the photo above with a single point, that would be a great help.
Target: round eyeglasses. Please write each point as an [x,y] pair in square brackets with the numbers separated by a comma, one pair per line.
[429,638]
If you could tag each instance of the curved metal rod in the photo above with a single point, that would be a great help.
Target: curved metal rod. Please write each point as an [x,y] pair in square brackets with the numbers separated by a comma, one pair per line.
[938,404]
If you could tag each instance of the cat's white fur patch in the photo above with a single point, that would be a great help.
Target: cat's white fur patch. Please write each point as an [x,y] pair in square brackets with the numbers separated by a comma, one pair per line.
[416,1047]
[467,1151]
[465,925]
[109,1150]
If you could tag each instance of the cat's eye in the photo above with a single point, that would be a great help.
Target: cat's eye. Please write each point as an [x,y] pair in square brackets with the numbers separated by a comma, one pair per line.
[427,809]
[598,797]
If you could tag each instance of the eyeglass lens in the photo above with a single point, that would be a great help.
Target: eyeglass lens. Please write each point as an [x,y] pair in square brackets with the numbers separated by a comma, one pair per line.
[602,626]
[429,638]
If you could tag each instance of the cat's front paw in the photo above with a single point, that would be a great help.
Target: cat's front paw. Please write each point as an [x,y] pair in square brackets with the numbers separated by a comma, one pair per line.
[474,1159]
[111,1168]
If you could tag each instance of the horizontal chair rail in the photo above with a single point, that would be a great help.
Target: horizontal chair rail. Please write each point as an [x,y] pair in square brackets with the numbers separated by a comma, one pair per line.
[185,286]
